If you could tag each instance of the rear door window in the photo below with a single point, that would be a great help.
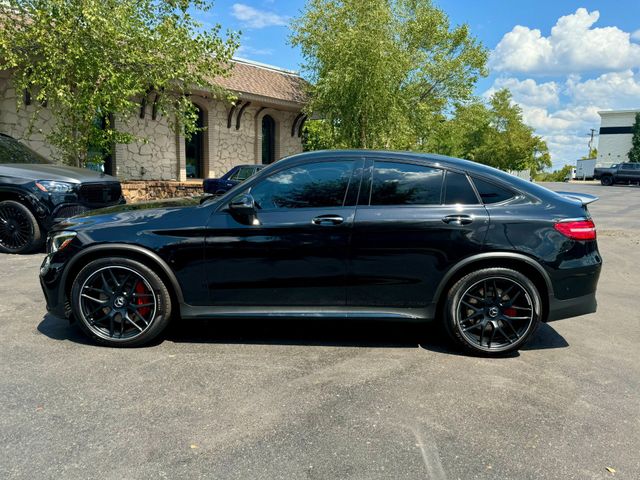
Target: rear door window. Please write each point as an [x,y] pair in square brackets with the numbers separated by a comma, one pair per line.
[397,183]
[458,190]
[492,193]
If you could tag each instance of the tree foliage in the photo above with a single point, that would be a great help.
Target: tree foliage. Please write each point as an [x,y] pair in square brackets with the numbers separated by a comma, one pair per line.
[492,133]
[634,153]
[555,176]
[93,60]
[381,70]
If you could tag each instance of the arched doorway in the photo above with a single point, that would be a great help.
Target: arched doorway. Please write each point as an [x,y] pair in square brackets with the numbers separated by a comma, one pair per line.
[268,140]
[194,149]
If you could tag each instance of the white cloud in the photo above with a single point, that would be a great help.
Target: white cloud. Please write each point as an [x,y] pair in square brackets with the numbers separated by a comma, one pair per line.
[617,90]
[636,35]
[246,50]
[528,92]
[572,46]
[254,18]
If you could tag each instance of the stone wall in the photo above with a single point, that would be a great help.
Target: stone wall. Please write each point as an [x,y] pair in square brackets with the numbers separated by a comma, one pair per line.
[23,124]
[154,157]
[141,191]
[162,155]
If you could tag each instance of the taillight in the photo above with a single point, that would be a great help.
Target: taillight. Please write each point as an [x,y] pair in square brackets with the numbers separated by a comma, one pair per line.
[577,229]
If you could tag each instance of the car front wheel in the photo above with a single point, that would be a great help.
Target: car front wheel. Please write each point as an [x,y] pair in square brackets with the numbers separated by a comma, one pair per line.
[19,229]
[493,311]
[119,302]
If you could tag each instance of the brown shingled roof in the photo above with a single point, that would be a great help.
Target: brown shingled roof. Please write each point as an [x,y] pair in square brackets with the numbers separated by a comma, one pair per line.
[264,81]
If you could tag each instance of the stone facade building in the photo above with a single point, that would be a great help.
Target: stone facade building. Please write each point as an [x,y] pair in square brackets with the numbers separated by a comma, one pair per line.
[264,125]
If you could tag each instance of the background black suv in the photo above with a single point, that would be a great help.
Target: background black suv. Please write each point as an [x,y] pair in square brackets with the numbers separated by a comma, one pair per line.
[34,195]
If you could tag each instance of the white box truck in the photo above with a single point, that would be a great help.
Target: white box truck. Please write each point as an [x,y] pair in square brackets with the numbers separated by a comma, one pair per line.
[585,168]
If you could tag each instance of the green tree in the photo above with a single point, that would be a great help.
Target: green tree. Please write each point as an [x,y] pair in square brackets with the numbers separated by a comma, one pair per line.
[593,153]
[93,60]
[381,72]
[634,153]
[492,133]
[555,176]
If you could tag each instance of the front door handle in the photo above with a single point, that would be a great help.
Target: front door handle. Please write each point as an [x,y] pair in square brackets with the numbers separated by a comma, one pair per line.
[458,219]
[328,220]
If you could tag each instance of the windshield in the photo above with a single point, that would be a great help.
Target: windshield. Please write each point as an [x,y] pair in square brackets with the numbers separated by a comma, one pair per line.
[12,151]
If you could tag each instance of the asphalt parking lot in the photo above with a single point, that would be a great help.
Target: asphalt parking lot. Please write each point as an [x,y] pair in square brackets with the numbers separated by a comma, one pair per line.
[318,400]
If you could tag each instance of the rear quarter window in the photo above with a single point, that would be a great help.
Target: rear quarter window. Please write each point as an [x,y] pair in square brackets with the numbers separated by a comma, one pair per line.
[492,193]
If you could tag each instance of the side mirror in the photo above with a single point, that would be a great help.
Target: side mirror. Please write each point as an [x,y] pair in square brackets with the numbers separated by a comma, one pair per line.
[244,207]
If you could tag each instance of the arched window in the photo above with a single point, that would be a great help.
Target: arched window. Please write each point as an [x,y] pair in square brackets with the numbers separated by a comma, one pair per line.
[268,140]
[194,149]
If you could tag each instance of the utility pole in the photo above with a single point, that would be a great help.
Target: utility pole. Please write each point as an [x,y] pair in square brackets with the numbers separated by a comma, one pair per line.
[593,132]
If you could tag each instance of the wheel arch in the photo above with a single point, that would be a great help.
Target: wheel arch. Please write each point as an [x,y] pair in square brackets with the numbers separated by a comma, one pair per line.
[515,261]
[132,252]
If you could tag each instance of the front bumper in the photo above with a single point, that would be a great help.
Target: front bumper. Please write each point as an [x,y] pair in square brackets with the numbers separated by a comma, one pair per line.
[51,282]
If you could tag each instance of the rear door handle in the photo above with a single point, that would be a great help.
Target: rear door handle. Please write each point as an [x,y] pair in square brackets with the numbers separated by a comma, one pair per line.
[458,219]
[328,220]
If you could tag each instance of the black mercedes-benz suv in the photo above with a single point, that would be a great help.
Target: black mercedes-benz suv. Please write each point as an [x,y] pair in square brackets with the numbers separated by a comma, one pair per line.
[34,195]
[335,234]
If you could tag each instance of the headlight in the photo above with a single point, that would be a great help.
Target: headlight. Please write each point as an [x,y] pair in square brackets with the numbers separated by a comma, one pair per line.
[51,186]
[60,240]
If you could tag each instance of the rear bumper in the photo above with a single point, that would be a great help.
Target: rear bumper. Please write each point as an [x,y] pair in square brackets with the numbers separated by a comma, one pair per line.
[572,307]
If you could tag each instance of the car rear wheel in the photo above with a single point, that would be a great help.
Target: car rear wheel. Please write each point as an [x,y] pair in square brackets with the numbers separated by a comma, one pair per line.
[120,302]
[607,180]
[493,311]
[19,229]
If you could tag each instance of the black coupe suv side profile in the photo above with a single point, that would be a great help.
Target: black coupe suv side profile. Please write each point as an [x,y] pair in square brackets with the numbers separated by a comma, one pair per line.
[34,195]
[335,234]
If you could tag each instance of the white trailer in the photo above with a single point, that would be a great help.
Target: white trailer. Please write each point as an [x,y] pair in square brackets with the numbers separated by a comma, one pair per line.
[584,169]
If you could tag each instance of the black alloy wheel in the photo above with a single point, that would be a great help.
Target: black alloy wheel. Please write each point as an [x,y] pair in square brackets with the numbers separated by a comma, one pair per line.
[493,311]
[120,302]
[19,230]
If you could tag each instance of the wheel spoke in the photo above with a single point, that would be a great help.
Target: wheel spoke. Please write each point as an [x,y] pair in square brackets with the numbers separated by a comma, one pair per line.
[97,300]
[132,322]
[140,317]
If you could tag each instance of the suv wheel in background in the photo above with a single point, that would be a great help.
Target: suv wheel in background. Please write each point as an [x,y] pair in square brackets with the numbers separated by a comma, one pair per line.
[120,302]
[19,229]
[607,180]
[492,311]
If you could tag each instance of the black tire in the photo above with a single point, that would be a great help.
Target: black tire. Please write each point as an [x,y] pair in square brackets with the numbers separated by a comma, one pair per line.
[100,279]
[19,229]
[607,180]
[492,325]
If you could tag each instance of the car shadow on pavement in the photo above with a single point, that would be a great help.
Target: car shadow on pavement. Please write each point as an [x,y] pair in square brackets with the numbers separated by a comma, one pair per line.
[60,329]
[336,333]
[312,332]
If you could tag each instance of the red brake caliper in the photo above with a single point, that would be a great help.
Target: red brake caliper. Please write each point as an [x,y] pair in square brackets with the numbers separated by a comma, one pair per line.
[510,312]
[141,300]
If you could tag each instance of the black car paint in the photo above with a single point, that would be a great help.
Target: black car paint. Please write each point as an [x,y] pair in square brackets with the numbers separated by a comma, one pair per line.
[382,261]
[18,182]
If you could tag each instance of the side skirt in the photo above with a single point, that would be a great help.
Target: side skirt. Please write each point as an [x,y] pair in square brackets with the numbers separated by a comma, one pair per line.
[404,314]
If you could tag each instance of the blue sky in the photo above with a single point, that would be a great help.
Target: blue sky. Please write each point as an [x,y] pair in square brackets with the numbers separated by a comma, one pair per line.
[563,60]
